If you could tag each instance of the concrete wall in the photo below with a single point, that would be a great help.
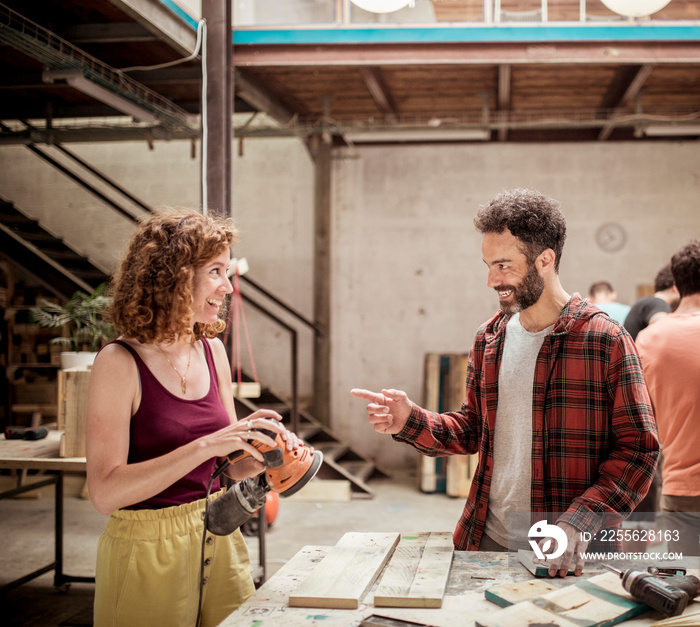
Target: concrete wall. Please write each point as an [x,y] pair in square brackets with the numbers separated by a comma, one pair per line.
[407,271]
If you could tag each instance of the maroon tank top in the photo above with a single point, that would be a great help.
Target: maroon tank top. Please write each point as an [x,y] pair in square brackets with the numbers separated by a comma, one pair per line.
[164,422]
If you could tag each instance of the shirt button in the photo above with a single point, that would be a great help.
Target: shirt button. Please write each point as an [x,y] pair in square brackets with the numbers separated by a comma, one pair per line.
[207,561]
[204,581]
[210,540]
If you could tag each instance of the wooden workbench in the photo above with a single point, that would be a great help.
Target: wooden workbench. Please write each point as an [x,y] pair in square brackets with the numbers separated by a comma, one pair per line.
[464,603]
[42,455]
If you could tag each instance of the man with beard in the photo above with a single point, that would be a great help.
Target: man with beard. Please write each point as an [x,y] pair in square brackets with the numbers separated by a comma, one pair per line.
[556,405]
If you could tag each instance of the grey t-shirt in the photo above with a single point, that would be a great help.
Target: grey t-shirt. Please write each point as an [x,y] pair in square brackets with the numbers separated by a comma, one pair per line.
[512,447]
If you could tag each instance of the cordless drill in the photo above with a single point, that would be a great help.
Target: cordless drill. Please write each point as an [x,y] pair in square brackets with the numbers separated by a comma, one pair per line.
[668,595]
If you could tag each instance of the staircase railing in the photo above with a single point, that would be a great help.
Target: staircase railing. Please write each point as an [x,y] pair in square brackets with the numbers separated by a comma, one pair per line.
[294,339]
[81,181]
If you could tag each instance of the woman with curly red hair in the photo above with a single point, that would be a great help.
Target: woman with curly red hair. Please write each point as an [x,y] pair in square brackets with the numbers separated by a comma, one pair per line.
[160,415]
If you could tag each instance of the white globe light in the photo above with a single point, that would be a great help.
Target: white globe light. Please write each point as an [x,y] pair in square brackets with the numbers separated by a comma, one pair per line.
[381,6]
[635,8]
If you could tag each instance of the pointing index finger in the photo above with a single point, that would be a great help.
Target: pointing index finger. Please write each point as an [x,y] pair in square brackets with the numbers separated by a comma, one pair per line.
[372,397]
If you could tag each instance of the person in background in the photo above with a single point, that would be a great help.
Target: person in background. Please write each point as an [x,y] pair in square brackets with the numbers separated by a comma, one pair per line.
[160,415]
[668,349]
[644,312]
[556,405]
[604,297]
[651,309]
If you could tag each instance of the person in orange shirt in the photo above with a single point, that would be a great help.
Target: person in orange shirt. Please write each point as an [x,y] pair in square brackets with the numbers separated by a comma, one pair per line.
[671,362]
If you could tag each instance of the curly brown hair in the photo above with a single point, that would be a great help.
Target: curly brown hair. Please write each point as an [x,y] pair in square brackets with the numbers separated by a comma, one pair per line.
[152,291]
[535,219]
[663,279]
[685,265]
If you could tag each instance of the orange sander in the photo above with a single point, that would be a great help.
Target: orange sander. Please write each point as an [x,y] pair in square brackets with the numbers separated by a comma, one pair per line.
[286,472]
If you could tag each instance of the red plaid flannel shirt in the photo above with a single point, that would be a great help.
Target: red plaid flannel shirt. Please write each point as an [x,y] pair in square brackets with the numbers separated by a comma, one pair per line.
[594,438]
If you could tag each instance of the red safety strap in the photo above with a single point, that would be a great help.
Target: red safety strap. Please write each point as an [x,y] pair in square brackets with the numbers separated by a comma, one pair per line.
[239,321]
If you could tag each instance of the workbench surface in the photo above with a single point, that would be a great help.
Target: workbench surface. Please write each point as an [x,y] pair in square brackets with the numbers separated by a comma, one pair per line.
[472,572]
[38,454]
[23,455]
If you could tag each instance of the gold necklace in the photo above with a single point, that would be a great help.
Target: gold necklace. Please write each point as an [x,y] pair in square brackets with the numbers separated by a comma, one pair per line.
[183,382]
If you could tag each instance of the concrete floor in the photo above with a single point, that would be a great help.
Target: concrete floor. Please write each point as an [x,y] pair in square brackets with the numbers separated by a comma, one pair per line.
[26,528]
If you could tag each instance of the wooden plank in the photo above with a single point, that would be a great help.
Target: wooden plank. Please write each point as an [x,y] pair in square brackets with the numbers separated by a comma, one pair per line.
[246,389]
[460,468]
[416,575]
[456,387]
[526,558]
[595,602]
[459,475]
[72,410]
[511,593]
[344,576]
[431,400]
[525,613]
[689,618]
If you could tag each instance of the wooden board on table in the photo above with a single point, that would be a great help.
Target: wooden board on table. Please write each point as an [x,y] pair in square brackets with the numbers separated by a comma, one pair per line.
[512,593]
[416,575]
[595,602]
[689,618]
[538,570]
[347,572]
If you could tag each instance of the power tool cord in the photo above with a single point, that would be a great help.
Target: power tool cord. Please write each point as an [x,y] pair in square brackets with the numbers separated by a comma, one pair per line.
[204,543]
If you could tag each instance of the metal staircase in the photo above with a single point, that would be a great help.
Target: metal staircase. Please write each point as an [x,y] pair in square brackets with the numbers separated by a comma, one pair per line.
[339,460]
[48,259]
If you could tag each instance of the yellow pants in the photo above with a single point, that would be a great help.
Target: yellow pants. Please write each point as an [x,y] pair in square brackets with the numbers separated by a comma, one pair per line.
[148,569]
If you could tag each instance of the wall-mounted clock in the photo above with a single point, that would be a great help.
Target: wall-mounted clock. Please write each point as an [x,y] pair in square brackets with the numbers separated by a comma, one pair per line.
[611,237]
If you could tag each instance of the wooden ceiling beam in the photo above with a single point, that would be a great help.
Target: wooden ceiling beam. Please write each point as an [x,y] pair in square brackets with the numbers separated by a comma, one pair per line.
[630,93]
[551,53]
[110,33]
[504,95]
[260,99]
[380,92]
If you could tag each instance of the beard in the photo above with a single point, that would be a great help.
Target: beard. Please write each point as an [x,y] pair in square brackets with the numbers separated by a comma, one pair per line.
[525,295]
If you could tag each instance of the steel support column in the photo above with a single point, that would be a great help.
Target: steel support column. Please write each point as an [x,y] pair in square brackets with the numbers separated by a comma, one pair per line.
[322,278]
[219,108]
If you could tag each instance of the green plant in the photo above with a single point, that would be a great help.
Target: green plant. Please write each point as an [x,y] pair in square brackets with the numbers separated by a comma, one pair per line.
[82,316]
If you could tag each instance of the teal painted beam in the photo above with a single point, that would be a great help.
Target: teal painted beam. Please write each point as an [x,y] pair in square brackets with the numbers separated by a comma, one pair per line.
[481,34]
[180,12]
[503,33]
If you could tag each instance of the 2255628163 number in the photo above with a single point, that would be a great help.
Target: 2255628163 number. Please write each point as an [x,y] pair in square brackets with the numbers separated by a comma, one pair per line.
[638,535]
